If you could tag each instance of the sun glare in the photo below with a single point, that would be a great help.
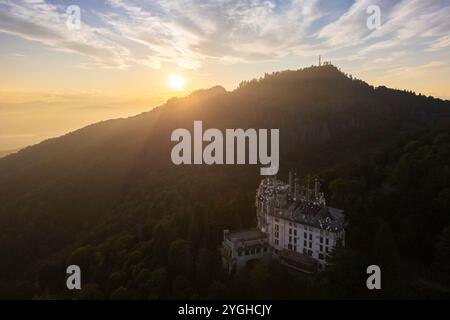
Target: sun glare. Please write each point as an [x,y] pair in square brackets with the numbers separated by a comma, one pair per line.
[177,82]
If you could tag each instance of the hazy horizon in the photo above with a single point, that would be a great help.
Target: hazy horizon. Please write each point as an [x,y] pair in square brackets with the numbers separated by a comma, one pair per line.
[36,139]
[128,57]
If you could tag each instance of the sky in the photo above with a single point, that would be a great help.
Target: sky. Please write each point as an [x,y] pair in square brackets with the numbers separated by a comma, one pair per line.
[55,78]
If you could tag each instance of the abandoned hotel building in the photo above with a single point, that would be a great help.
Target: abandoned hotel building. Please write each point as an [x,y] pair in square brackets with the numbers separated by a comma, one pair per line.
[295,226]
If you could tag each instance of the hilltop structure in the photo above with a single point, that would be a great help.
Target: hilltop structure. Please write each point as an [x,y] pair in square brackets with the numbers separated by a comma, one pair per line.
[295,226]
[324,63]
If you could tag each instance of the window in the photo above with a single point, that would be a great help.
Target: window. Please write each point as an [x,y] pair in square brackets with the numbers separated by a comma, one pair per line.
[321,239]
[247,252]
[276,242]
[295,232]
[295,248]
[295,240]
[290,231]
[277,235]
[289,246]
[240,253]
[310,236]
[310,244]
[327,241]
[320,256]
[305,243]
[305,252]
[265,249]
[310,253]
[290,239]
[321,247]
[258,250]
[326,249]
[305,235]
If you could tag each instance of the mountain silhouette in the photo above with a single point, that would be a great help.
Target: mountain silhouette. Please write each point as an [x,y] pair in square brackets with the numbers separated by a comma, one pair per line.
[112,184]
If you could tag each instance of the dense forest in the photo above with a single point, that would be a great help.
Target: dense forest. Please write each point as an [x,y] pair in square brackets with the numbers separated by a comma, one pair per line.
[108,198]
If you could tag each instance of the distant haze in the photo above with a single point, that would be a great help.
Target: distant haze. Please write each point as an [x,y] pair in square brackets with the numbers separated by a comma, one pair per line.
[55,80]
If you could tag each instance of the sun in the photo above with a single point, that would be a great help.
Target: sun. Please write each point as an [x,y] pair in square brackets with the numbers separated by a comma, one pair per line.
[177,82]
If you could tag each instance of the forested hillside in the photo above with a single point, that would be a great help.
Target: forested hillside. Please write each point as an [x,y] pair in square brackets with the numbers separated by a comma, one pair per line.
[108,198]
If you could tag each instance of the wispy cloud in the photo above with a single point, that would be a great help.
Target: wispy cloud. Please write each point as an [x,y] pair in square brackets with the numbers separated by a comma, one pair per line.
[185,33]
[37,20]
[189,33]
[350,28]
[440,44]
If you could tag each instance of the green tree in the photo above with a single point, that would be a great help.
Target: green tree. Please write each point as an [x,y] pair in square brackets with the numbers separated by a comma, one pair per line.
[386,256]
[217,291]
[203,267]
[344,192]
[90,292]
[52,277]
[345,275]
[158,283]
[120,293]
[181,288]
[442,256]
[179,257]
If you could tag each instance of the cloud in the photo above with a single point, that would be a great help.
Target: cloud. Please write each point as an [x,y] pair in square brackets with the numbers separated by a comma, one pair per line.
[401,21]
[39,21]
[350,28]
[409,19]
[188,33]
[406,26]
[440,44]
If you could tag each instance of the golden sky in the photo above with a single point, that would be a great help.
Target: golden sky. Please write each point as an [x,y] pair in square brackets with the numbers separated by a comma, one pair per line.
[121,61]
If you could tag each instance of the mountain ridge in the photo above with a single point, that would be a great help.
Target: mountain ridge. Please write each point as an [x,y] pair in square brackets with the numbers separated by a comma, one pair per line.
[81,188]
[328,72]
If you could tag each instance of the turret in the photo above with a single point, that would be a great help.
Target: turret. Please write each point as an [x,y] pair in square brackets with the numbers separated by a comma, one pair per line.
[291,185]
[296,187]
